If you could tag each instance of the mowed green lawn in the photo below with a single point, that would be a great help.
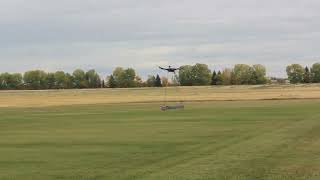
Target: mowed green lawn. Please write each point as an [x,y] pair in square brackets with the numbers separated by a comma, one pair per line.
[216,140]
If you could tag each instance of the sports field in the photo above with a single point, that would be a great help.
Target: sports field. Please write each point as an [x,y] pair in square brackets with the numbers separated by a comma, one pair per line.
[257,138]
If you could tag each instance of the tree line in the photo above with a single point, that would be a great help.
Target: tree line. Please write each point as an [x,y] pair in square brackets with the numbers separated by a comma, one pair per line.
[38,79]
[299,74]
[196,75]
[240,74]
[127,78]
[189,75]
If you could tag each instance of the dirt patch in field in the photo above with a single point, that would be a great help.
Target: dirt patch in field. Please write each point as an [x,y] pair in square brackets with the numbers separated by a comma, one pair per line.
[223,93]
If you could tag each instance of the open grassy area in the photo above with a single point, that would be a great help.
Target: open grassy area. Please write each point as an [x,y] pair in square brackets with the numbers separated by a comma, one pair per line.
[212,140]
[216,93]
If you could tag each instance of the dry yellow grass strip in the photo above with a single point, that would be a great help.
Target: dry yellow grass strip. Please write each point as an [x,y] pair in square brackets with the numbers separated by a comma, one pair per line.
[223,93]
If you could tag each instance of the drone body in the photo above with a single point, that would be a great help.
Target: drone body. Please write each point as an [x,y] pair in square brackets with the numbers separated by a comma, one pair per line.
[170,69]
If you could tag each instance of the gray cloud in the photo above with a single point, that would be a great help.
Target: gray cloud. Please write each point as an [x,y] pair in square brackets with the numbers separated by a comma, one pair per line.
[144,33]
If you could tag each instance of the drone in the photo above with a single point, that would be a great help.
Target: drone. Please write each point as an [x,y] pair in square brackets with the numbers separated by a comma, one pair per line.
[170,69]
[166,107]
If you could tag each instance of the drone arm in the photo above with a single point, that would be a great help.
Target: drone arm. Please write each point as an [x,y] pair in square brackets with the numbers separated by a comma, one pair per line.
[163,68]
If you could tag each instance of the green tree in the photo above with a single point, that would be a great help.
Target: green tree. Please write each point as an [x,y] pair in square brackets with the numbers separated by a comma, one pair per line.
[158,81]
[307,75]
[112,82]
[5,78]
[128,78]
[35,79]
[315,73]
[51,81]
[243,74]
[17,81]
[69,81]
[117,75]
[196,75]
[219,78]
[79,79]
[11,81]
[2,82]
[214,78]
[125,78]
[61,80]
[185,75]
[227,76]
[201,74]
[233,78]
[151,81]
[259,74]
[93,79]
[295,73]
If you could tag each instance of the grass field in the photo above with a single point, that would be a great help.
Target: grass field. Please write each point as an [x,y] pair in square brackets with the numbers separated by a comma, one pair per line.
[138,95]
[274,139]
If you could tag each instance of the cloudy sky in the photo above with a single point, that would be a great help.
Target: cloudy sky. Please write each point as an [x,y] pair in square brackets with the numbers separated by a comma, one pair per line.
[101,34]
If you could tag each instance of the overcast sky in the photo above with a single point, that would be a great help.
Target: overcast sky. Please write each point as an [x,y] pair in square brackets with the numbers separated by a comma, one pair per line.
[102,34]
